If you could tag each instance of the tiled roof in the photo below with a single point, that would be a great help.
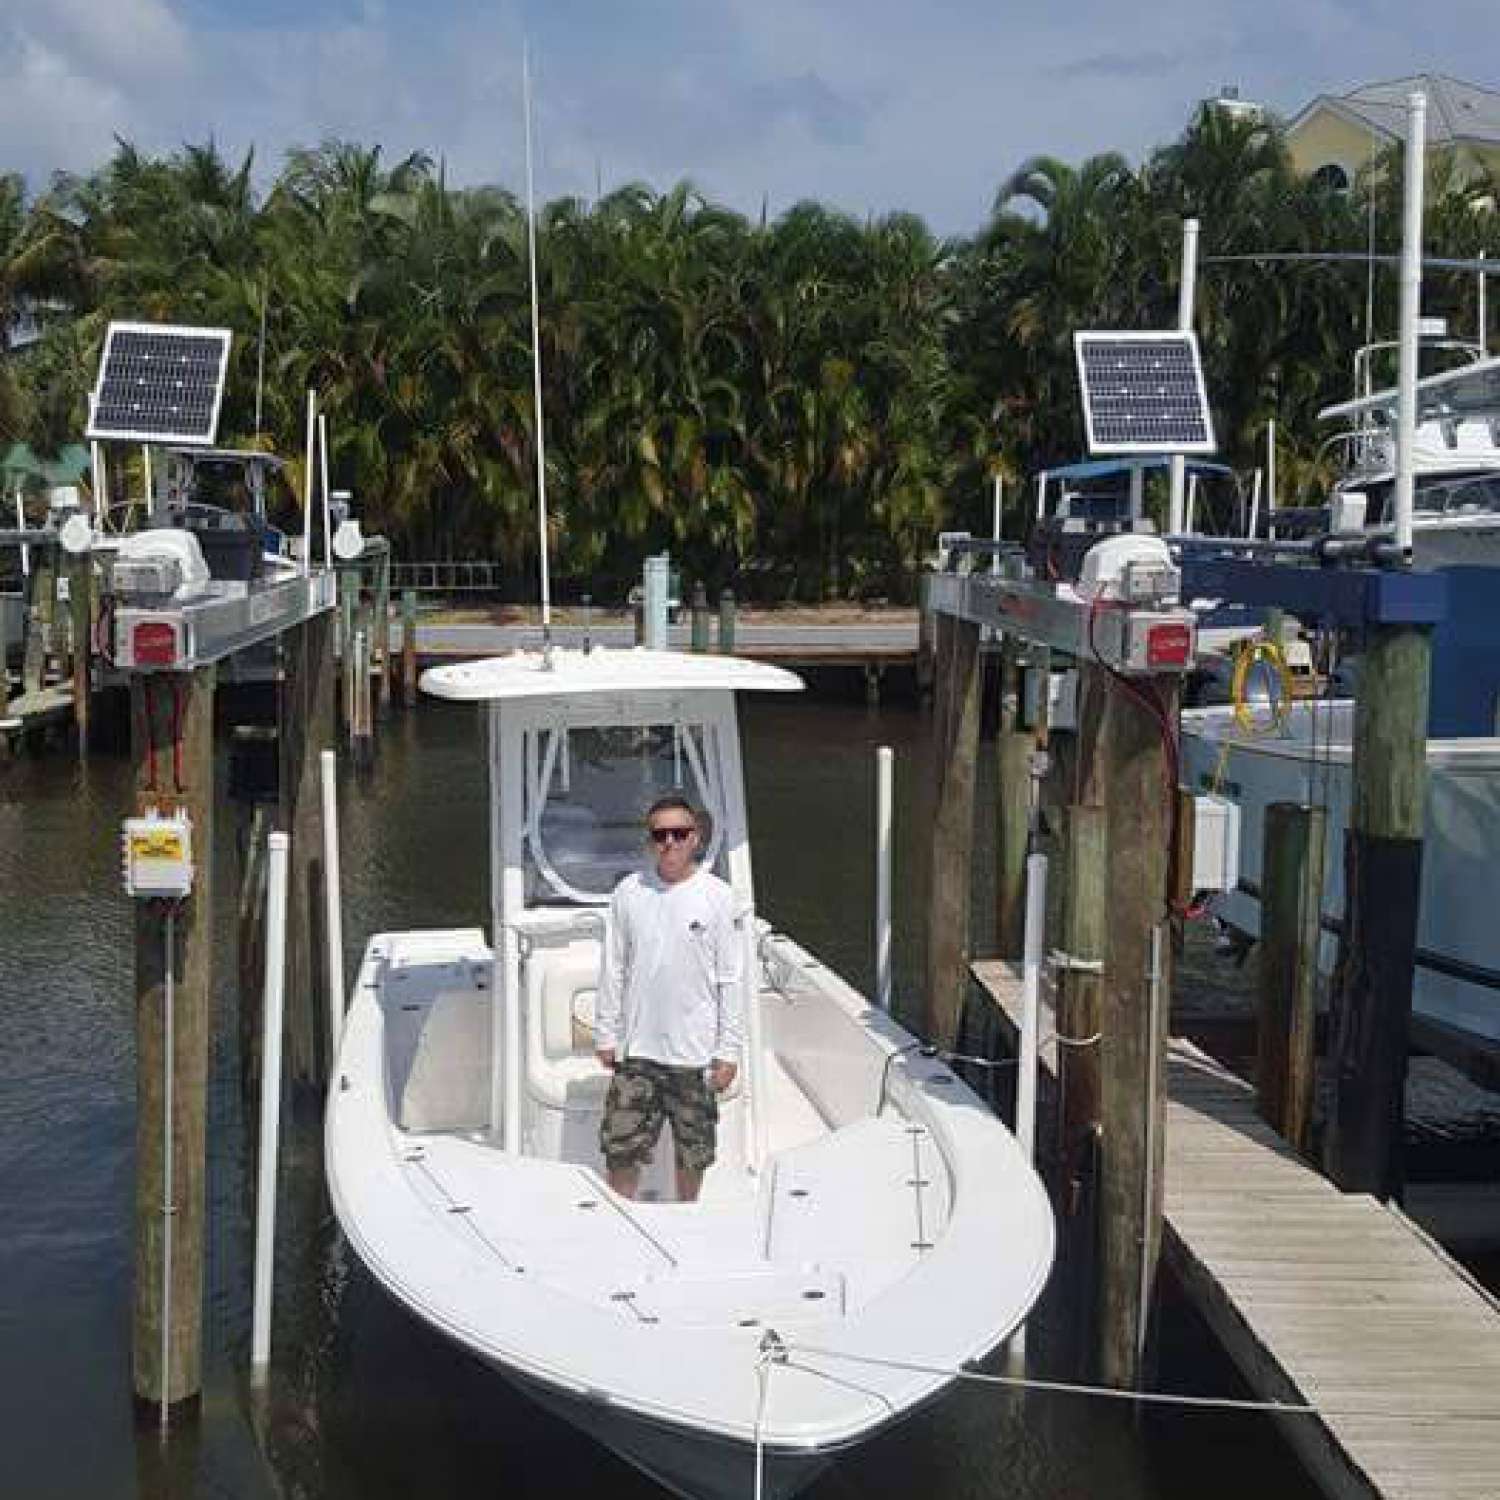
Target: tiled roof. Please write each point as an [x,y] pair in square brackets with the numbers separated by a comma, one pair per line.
[1456,111]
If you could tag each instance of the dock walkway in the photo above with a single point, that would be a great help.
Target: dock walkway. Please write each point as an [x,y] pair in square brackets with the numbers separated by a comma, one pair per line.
[850,643]
[1322,1297]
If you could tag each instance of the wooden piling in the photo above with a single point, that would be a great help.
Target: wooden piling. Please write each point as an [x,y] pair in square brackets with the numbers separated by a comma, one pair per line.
[956,743]
[361,673]
[1291,909]
[700,618]
[1382,883]
[726,622]
[1079,985]
[81,607]
[409,647]
[172,740]
[349,595]
[1013,747]
[307,727]
[1122,767]
[926,638]
[41,603]
[381,656]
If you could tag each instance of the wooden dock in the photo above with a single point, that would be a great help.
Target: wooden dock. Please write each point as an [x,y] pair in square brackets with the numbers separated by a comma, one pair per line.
[1322,1297]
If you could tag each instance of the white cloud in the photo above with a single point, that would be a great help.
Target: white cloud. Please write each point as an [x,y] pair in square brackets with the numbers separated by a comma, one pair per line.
[867,104]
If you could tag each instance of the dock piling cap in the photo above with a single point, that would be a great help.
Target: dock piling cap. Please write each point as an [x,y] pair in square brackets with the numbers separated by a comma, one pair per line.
[577,673]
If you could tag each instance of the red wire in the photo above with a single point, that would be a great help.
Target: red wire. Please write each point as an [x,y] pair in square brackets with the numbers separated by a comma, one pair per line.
[177,736]
[150,735]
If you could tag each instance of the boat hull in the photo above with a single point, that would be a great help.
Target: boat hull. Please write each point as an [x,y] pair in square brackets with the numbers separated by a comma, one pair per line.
[1458,939]
[695,1465]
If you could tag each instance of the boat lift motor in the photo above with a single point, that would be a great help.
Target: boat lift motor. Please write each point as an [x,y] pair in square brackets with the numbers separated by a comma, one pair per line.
[162,566]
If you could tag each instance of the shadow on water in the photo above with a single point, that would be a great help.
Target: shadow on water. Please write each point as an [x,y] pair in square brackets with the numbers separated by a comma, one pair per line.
[364,1401]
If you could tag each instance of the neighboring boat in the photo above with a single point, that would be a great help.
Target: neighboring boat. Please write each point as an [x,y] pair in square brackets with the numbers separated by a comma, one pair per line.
[1455,460]
[1455,530]
[868,1217]
[1307,761]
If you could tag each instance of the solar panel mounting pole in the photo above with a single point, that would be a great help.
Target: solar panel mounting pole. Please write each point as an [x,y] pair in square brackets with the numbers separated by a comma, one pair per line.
[1187,296]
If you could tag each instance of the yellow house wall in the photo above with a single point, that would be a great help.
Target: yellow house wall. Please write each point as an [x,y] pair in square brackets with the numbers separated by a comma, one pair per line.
[1325,137]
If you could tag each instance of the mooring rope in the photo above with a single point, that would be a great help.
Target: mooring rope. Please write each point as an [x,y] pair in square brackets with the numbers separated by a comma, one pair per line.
[1111,1393]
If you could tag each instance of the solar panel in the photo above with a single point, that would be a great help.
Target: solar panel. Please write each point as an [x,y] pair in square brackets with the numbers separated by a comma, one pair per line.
[1143,393]
[159,384]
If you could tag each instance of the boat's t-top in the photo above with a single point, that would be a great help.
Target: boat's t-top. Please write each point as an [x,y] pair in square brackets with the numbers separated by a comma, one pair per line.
[580,743]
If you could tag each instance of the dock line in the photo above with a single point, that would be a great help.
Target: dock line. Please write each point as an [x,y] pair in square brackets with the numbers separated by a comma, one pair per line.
[1113,1393]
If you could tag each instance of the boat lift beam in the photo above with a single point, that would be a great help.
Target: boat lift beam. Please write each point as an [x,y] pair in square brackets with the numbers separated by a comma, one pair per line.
[1353,597]
[1133,640]
[180,637]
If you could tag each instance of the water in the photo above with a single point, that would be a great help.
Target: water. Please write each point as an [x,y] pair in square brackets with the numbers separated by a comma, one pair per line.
[365,1403]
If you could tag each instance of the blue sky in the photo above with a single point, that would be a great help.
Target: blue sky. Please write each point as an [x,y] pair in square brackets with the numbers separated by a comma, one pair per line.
[867,104]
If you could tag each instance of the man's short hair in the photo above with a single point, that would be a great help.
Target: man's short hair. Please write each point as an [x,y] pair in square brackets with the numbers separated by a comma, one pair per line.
[672,802]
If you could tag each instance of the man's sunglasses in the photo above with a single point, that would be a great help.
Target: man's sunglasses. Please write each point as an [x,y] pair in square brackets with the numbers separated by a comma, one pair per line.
[677,835]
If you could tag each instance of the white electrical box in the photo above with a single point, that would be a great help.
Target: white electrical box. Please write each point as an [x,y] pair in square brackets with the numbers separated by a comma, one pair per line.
[1216,843]
[1062,700]
[158,854]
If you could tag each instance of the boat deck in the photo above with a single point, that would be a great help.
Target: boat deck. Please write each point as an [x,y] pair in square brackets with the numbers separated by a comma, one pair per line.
[1322,1297]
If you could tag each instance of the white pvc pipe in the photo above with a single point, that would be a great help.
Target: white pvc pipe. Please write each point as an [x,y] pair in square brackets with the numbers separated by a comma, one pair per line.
[1031,1002]
[885,776]
[1411,309]
[1137,491]
[333,898]
[1271,463]
[998,509]
[1484,320]
[148,480]
[1041,494]
[1187,296]
[1156,978]
[1254,504]
[1028,1050]
[310,458]
[323,475]
[21,526]
[1192,503]
[270,1107]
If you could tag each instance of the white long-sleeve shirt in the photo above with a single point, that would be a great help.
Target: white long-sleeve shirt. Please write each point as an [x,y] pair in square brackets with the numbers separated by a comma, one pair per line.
[670,980]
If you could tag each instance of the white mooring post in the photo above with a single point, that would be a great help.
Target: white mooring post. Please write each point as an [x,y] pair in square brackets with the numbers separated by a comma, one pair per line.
[1031,1001]
[333,908]
[885,776]
[1028,1043]
[270,1107]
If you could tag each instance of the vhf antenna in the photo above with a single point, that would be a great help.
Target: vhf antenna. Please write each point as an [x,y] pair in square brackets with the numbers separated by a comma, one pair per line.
[536,371]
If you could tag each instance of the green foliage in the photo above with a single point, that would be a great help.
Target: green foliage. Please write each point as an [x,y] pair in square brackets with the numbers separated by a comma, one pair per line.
[794,406]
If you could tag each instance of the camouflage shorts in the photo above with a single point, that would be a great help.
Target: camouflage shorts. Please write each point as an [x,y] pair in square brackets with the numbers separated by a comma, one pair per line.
[642,1096]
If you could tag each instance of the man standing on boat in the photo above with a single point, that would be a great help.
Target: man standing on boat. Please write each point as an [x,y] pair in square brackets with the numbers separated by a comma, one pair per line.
[667,1021]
